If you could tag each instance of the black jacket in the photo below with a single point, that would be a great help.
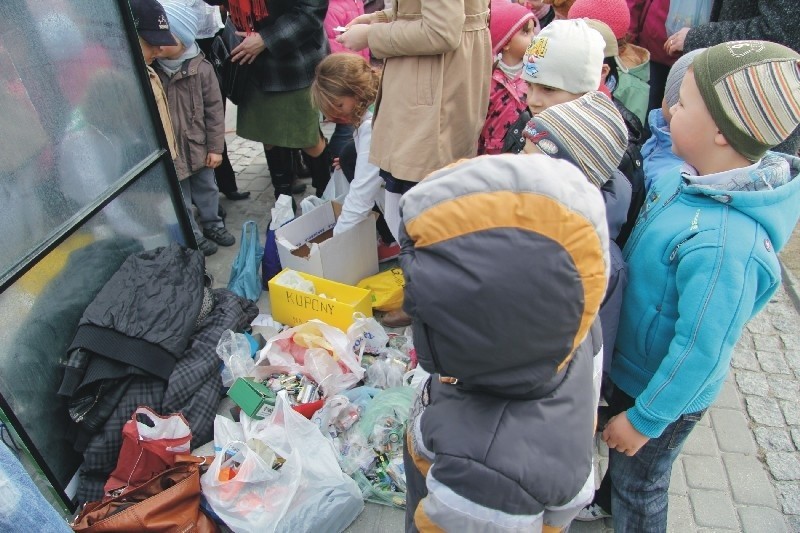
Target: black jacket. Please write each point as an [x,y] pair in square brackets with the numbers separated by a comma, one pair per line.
[633,167]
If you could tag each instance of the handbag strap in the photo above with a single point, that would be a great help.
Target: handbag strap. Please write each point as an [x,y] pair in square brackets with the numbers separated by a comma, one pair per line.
[203,460]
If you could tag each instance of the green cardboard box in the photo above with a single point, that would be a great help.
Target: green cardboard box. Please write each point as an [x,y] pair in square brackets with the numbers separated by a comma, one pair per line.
[255,399]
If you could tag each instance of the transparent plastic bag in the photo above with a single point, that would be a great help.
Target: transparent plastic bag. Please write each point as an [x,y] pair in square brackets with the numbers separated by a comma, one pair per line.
[687,14]
[234,350]
[383,421]
[295,281]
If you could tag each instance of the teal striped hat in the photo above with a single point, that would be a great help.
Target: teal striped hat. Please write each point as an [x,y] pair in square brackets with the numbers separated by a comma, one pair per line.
[752,90]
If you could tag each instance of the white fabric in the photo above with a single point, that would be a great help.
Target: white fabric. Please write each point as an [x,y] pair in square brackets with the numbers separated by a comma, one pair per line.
[718,178]
[209,20]
[366,185]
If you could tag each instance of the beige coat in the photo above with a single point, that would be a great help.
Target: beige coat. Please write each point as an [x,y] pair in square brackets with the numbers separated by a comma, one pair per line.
[435,89]
[163,111]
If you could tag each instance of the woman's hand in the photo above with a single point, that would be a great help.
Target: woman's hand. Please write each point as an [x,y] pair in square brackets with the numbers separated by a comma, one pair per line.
[356,38]
[248,50]
[361,19]
[674,45]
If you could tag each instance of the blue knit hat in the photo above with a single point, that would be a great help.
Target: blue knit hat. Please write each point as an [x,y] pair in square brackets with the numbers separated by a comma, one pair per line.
[182,20]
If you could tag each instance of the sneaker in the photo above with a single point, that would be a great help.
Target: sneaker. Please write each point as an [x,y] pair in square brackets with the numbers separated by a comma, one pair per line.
[387,252]
[206,246]
[591,513]
[219,235]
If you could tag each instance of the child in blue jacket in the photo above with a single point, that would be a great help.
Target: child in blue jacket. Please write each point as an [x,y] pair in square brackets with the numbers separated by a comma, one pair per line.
[702,262]
[657,153]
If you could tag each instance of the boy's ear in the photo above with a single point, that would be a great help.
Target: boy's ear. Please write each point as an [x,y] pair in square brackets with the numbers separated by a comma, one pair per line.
[720,140]
[604,72]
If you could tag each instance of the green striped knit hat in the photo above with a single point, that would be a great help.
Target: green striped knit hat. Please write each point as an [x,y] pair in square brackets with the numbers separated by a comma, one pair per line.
[588,132]
[752,90]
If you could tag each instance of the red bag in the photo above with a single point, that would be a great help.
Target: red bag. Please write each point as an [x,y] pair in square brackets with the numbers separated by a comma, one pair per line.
[147,449]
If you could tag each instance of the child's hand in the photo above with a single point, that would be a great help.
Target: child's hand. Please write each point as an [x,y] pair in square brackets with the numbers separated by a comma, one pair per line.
[248,50]
[336,164]
[622,436]
[213,160]
[356,38]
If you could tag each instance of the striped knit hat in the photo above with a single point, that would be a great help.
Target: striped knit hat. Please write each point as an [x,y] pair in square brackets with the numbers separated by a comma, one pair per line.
[183,20]
[752,90]
[588,132]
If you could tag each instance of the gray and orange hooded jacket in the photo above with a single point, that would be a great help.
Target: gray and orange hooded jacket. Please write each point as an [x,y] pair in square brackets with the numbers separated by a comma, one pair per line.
[506,264]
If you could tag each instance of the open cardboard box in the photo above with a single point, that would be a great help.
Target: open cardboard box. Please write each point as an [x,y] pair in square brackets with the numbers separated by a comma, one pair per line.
[346,258]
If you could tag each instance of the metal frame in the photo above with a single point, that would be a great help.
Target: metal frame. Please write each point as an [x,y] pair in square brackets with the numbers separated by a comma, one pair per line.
[65,230]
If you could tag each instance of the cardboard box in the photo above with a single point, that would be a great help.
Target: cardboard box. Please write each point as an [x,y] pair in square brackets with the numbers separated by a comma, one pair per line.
[294,307]
[346,258]
[255,399]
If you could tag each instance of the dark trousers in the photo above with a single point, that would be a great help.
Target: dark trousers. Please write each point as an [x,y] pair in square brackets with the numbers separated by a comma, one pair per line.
[347,160]
[635,488]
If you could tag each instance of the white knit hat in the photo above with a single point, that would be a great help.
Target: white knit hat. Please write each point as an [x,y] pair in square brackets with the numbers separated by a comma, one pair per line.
[567,55]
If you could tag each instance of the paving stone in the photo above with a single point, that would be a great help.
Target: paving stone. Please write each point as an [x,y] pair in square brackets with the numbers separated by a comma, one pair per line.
[701,441]
[760,519]
[750,483]
[784,466]
[785,323]
[791,412]
[789,496]
[774,363]
[791,340]
[793,359]
[732,430]
[774,439]
[679,514]
[713,509]
[745,359]
[794,522]
[677,482]
[796,437]
[728,397]
[259,184]
[767,343]
[745,341]
[761,324]
[704,473]
[764,411]
[754,383]
[784,388]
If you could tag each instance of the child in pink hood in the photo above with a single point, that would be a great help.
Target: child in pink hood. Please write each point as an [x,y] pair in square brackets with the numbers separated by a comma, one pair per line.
[512,28]
[340,13]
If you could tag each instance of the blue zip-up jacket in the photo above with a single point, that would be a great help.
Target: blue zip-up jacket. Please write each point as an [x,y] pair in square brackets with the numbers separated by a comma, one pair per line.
[702,262]
[657,154]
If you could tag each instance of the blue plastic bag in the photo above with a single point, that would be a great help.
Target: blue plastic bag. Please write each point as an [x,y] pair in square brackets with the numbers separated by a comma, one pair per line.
[244,279]
[687,14]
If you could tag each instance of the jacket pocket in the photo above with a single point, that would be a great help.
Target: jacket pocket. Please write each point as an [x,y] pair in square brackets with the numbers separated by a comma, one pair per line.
[425,87]
[196,150]
[646,330]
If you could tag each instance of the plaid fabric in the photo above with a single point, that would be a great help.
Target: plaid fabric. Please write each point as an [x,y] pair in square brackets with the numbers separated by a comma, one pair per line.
[194,389]
[296,43]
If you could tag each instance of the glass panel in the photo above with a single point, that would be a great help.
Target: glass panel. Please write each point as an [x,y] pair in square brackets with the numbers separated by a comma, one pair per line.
[39,313]
[74,116]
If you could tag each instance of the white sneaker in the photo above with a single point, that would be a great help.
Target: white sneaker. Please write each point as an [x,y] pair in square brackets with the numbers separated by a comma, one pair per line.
[592,512]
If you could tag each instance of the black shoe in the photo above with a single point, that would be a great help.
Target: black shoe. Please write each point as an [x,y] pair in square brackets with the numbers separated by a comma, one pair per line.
[219,235]
[298,188]
[206,246]
[237,195]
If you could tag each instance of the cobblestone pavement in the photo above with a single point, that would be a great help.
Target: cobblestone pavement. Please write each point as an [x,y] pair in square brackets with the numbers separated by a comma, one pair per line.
[740,468]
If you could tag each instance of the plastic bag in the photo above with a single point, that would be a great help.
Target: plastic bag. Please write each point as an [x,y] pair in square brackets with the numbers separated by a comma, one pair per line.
[365,334]
[148,447]
[244,279]
[687,14]
[337,416]
[282,213]
[383,421]
[388,371]
[387,289]
[295,281]
[234,350]
[335,370]
[308,493]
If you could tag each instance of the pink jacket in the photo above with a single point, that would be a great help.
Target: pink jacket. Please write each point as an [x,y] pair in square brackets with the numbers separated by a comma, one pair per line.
[340,13]
[507,99]
[648,19]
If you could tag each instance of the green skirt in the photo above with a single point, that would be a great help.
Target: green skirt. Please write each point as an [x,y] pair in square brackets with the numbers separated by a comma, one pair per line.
[284,119]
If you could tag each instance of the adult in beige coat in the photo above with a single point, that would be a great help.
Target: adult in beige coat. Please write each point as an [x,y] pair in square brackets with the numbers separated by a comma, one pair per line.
[434,91]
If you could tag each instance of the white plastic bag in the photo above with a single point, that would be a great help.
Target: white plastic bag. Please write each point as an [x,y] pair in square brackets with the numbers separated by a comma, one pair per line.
[365,334]
[234,350]
[282,212]
[295,281]
[308,493]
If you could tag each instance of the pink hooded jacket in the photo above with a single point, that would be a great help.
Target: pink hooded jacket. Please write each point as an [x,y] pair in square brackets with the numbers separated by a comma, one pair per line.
[648,19]
[340,13]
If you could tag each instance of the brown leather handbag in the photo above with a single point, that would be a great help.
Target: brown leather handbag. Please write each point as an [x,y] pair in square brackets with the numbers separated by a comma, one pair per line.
[169,502]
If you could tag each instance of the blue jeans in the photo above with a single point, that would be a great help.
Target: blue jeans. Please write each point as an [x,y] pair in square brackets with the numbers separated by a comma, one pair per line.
[635,488]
